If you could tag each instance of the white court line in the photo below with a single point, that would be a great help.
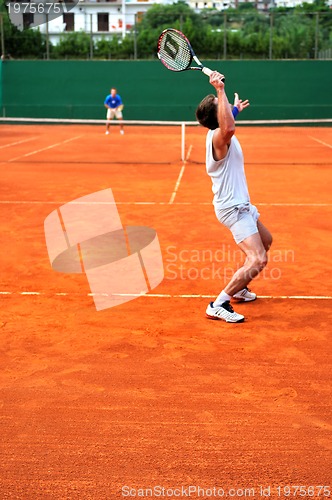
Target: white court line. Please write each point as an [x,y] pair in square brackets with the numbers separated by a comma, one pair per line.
[189,203]
[171,201]
[173,296]
[293,204]
[177,184]
[189,152]
[157,122]
[18,142]
[321,142]
[43,149]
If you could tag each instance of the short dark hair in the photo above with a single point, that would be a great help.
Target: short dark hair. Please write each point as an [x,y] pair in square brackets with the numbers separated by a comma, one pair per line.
[206,112]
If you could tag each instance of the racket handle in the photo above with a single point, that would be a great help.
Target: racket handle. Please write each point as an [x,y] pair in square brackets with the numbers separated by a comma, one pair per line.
[208,72]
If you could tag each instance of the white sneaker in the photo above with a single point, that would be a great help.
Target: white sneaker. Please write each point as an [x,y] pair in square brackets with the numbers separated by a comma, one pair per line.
[107,132]
[121,132]
[245,295]
[224,312]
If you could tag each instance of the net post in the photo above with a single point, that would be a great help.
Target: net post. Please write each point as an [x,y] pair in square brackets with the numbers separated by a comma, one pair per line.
[183,140]
[2,37]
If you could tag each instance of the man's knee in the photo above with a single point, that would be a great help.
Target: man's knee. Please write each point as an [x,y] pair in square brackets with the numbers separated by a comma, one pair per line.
[258,261]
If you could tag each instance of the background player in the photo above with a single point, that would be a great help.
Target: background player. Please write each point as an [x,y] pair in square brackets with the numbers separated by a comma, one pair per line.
[114,105]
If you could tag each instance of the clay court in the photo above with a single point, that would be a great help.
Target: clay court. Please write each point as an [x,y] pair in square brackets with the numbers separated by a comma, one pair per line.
[107,404]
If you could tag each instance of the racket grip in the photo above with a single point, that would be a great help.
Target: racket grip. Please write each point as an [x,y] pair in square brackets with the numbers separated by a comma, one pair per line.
[207,71]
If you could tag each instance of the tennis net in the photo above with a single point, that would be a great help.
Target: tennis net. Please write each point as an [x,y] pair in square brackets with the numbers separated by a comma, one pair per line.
[185,133]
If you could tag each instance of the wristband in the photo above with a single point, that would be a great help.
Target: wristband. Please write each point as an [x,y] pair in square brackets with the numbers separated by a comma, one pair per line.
[235,111]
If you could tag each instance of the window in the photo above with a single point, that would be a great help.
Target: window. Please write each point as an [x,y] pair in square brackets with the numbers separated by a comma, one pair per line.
[103,22]
[139,16]
[27,20]
[68,19]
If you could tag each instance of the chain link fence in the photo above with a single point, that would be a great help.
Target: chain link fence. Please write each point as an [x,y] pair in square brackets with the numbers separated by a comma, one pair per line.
[224,35]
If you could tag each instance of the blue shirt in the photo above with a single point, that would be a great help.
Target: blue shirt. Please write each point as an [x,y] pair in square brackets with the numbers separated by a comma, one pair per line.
[113,102]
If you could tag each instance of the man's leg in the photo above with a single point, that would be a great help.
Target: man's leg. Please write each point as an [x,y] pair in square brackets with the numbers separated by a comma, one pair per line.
[109,117]
[121,126]
[256,260]
[255,248]
[107,126]
[245,295]
[265,235]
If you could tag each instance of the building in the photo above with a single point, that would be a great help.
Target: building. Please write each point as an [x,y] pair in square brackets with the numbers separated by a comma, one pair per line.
[105,18]
[100,18]
[262,5]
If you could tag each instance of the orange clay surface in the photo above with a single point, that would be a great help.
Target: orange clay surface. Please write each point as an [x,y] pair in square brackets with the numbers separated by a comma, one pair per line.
[151,393]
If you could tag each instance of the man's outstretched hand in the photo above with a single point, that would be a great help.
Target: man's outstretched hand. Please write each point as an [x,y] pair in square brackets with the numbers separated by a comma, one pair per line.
[241,105]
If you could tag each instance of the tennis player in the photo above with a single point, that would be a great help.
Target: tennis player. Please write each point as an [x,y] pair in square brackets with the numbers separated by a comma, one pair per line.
[114,105]
[225,166]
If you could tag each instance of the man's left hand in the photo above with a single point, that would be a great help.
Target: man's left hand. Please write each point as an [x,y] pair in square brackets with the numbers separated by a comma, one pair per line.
[241,105]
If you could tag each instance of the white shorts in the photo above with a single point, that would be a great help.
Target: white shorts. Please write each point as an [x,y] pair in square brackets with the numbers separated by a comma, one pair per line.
[241,220]
[112,112]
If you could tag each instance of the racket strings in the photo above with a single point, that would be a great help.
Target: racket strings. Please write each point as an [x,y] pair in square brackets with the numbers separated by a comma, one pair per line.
[174,52]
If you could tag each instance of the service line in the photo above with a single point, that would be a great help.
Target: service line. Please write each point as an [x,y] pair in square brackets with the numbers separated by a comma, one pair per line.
[166,295]
[18,142]
[43,149]
[321,142]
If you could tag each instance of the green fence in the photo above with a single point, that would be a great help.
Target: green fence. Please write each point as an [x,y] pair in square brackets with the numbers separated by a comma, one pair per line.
[1,107]
[76,89]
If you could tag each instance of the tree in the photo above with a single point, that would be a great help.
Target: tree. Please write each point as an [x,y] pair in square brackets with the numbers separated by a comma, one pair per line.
[297,33]
[103,49]
[74,45]
[179,16]
[21,44]
[159,16]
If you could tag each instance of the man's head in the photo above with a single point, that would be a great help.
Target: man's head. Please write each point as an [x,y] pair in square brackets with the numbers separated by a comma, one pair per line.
[206,112]
[113,91]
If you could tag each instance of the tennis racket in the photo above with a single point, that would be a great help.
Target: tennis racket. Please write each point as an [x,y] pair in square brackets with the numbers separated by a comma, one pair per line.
[176,53]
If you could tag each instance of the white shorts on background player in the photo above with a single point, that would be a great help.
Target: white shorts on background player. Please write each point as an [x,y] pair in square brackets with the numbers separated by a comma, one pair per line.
[113,112]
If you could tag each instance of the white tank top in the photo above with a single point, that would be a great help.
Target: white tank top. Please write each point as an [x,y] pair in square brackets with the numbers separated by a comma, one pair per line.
[229,184]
